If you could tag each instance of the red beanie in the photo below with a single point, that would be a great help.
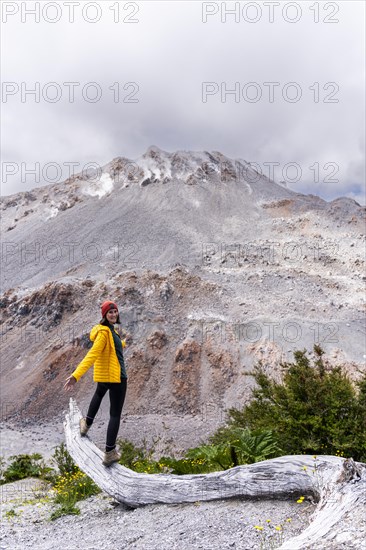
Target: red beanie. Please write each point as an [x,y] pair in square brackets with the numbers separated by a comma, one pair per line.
[106,306]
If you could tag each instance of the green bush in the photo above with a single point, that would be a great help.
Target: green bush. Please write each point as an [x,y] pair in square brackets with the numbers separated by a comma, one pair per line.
[316,409]
[70,484]
[198,460]
[22,466]
[228,448]
[210,458]
[65,509]
[183,466]
[69,489]
[130,453]
[246,446]
[140,459]
[64,461]
[236,446]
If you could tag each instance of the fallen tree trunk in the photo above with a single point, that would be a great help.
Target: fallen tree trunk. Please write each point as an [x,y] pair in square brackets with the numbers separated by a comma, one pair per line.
[338,485]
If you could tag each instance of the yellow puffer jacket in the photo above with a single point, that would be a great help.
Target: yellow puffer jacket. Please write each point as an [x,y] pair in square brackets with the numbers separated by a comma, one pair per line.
[102,355]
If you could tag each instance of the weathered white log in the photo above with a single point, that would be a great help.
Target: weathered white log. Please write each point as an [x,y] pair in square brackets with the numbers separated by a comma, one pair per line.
[336,490]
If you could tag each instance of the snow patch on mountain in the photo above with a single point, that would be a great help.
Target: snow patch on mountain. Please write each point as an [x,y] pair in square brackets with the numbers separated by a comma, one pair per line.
[104,186]
[51,212]
[159,165]
[155,165]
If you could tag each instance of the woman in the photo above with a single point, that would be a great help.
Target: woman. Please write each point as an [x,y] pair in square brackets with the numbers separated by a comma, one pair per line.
[110,374]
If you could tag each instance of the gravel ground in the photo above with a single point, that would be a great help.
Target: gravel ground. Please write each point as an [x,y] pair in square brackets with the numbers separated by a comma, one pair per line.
[175,433]
[103,523]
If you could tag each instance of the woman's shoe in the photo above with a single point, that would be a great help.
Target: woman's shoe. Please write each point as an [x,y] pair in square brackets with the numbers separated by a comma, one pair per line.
[110,457]
[84,428]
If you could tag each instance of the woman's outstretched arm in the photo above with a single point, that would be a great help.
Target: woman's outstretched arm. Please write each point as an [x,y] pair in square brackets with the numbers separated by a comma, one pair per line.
[88,360]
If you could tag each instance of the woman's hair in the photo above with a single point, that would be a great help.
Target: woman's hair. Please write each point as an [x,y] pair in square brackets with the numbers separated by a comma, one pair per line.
[105,322]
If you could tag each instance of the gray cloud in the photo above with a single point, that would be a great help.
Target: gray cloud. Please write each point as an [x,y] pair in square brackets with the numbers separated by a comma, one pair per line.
[169,53]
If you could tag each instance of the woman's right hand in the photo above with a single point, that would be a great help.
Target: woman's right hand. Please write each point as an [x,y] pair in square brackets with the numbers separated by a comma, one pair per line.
[69,383]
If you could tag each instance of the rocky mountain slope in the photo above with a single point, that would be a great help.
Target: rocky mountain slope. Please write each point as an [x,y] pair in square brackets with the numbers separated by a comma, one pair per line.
[213,266]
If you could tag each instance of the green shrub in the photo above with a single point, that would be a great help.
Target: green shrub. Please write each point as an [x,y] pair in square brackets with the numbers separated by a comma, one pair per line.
[65,509]
[22,466]
[64,461]
[69,489]
[140,459]
[210,458]
[183,466]
[70,484]
[198,460]
[246,446]
[11,513]
[148,466]
[237,446]
[231,447]
[316,409]
[130,453]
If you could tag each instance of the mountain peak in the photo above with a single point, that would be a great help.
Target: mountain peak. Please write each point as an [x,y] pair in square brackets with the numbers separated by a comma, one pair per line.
[153,151]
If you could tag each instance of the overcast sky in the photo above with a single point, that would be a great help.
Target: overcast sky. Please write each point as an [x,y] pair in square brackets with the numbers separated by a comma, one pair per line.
[180,58]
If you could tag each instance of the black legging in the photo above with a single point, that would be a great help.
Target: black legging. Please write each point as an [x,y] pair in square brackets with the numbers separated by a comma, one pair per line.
[117,393]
